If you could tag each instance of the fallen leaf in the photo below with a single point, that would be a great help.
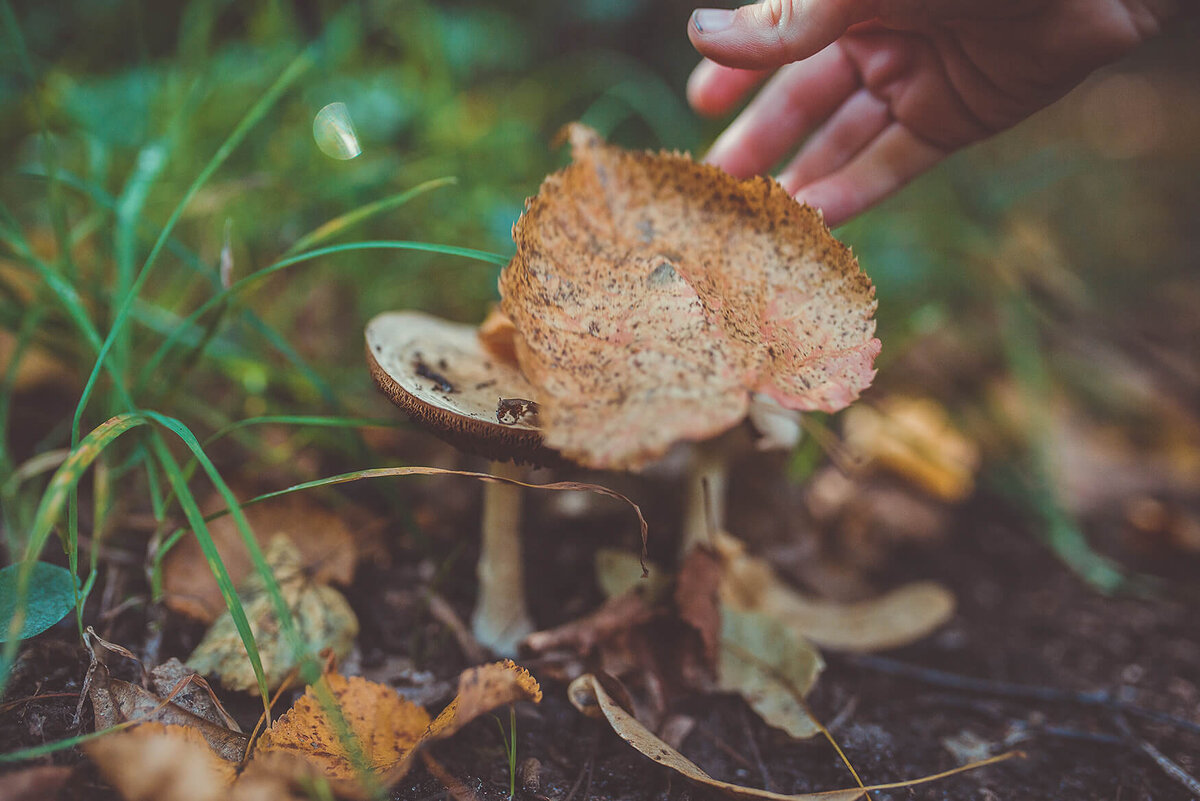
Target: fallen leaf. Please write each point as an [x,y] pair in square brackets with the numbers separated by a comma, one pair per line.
[36,783]
[187,689]
[653,295]
[696,598]
[387,727]
[915,439]
[156,762]
[482,689]
[389,730]
[115,701]
[619,572]
[589,696]
[322,616]
[327,551]
[895,618]
[769,664]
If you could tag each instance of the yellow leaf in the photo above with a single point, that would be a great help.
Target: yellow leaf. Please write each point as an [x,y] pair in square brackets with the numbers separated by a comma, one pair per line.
[386,726]
[915,439]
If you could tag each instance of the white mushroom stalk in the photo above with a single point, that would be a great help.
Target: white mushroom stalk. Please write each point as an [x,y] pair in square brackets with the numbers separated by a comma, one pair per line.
[438,372]
[501,619]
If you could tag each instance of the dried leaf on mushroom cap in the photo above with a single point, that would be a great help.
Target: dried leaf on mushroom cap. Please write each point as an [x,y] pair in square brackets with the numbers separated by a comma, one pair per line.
[653,295]
[440,373]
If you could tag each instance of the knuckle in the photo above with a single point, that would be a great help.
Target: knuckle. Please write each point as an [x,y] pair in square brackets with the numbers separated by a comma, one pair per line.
[777,13]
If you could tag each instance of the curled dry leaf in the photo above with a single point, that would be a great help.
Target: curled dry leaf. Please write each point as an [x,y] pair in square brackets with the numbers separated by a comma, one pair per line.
[896,618]
[322,615]
[589,696]
[327,551]
[115,701]
[389,729]
[915,439]
[652,296]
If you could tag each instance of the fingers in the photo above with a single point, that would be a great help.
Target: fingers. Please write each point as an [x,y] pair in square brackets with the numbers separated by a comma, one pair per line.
[771,33]
[860,119]
[799,97]
[889,162]
[713,90]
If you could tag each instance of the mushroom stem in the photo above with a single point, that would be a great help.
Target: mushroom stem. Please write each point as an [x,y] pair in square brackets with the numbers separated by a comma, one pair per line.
[705,510]
[501,620]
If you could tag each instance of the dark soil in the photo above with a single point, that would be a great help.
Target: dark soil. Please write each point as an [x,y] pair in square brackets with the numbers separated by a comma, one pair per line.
[1022,618]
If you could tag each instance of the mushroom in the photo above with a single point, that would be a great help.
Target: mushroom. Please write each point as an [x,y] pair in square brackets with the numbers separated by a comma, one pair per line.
[442,376]
[657,300]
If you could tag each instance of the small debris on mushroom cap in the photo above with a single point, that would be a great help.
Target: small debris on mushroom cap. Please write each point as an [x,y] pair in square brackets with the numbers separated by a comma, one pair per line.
[440,374]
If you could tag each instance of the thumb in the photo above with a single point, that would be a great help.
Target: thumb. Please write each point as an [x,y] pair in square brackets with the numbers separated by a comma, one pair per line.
[771,33]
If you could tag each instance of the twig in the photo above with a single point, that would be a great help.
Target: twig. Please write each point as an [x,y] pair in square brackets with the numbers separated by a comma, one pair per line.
[1034,692]
[1169,767]
[755,752]
[724,747]
[586,769]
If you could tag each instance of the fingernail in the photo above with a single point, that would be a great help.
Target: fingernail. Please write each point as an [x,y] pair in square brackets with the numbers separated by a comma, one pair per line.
[712,20]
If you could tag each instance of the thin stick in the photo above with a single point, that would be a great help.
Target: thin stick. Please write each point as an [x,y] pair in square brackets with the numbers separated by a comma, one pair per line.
[1169,767]
[1034,692]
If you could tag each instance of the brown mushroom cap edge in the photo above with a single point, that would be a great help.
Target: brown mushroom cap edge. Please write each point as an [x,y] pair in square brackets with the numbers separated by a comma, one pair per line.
[439,373]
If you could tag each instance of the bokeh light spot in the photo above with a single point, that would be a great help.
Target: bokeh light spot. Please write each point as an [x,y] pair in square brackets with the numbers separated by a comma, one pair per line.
[334,131]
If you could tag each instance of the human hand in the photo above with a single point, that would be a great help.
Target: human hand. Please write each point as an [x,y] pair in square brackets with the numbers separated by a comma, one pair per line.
[887,88]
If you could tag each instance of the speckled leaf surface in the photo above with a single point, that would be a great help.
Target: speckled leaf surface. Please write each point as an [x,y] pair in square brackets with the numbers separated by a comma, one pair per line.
[653,295]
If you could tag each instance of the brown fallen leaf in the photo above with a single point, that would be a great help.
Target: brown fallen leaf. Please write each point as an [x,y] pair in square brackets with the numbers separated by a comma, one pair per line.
[387,727]
[914,439]
[157,762]
[36,783]
[589,696]
[115,701]
[322,616]
[327,551]
[389,730]
[895,618]
[653,296]
[482,689]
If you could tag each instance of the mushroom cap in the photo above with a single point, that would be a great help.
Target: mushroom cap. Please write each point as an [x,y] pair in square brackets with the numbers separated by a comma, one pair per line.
[653,296]
[440,374]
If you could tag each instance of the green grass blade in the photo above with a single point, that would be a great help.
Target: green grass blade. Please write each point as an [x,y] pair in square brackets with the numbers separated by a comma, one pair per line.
[348,220]
[151,160]
[153,363]
[259,110]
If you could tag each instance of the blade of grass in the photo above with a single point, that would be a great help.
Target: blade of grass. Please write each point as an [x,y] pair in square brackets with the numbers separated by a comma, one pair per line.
[363,213]
[190,259]
[1059,530]
[156,359]
[149,164]
[56,495]
[259,110]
